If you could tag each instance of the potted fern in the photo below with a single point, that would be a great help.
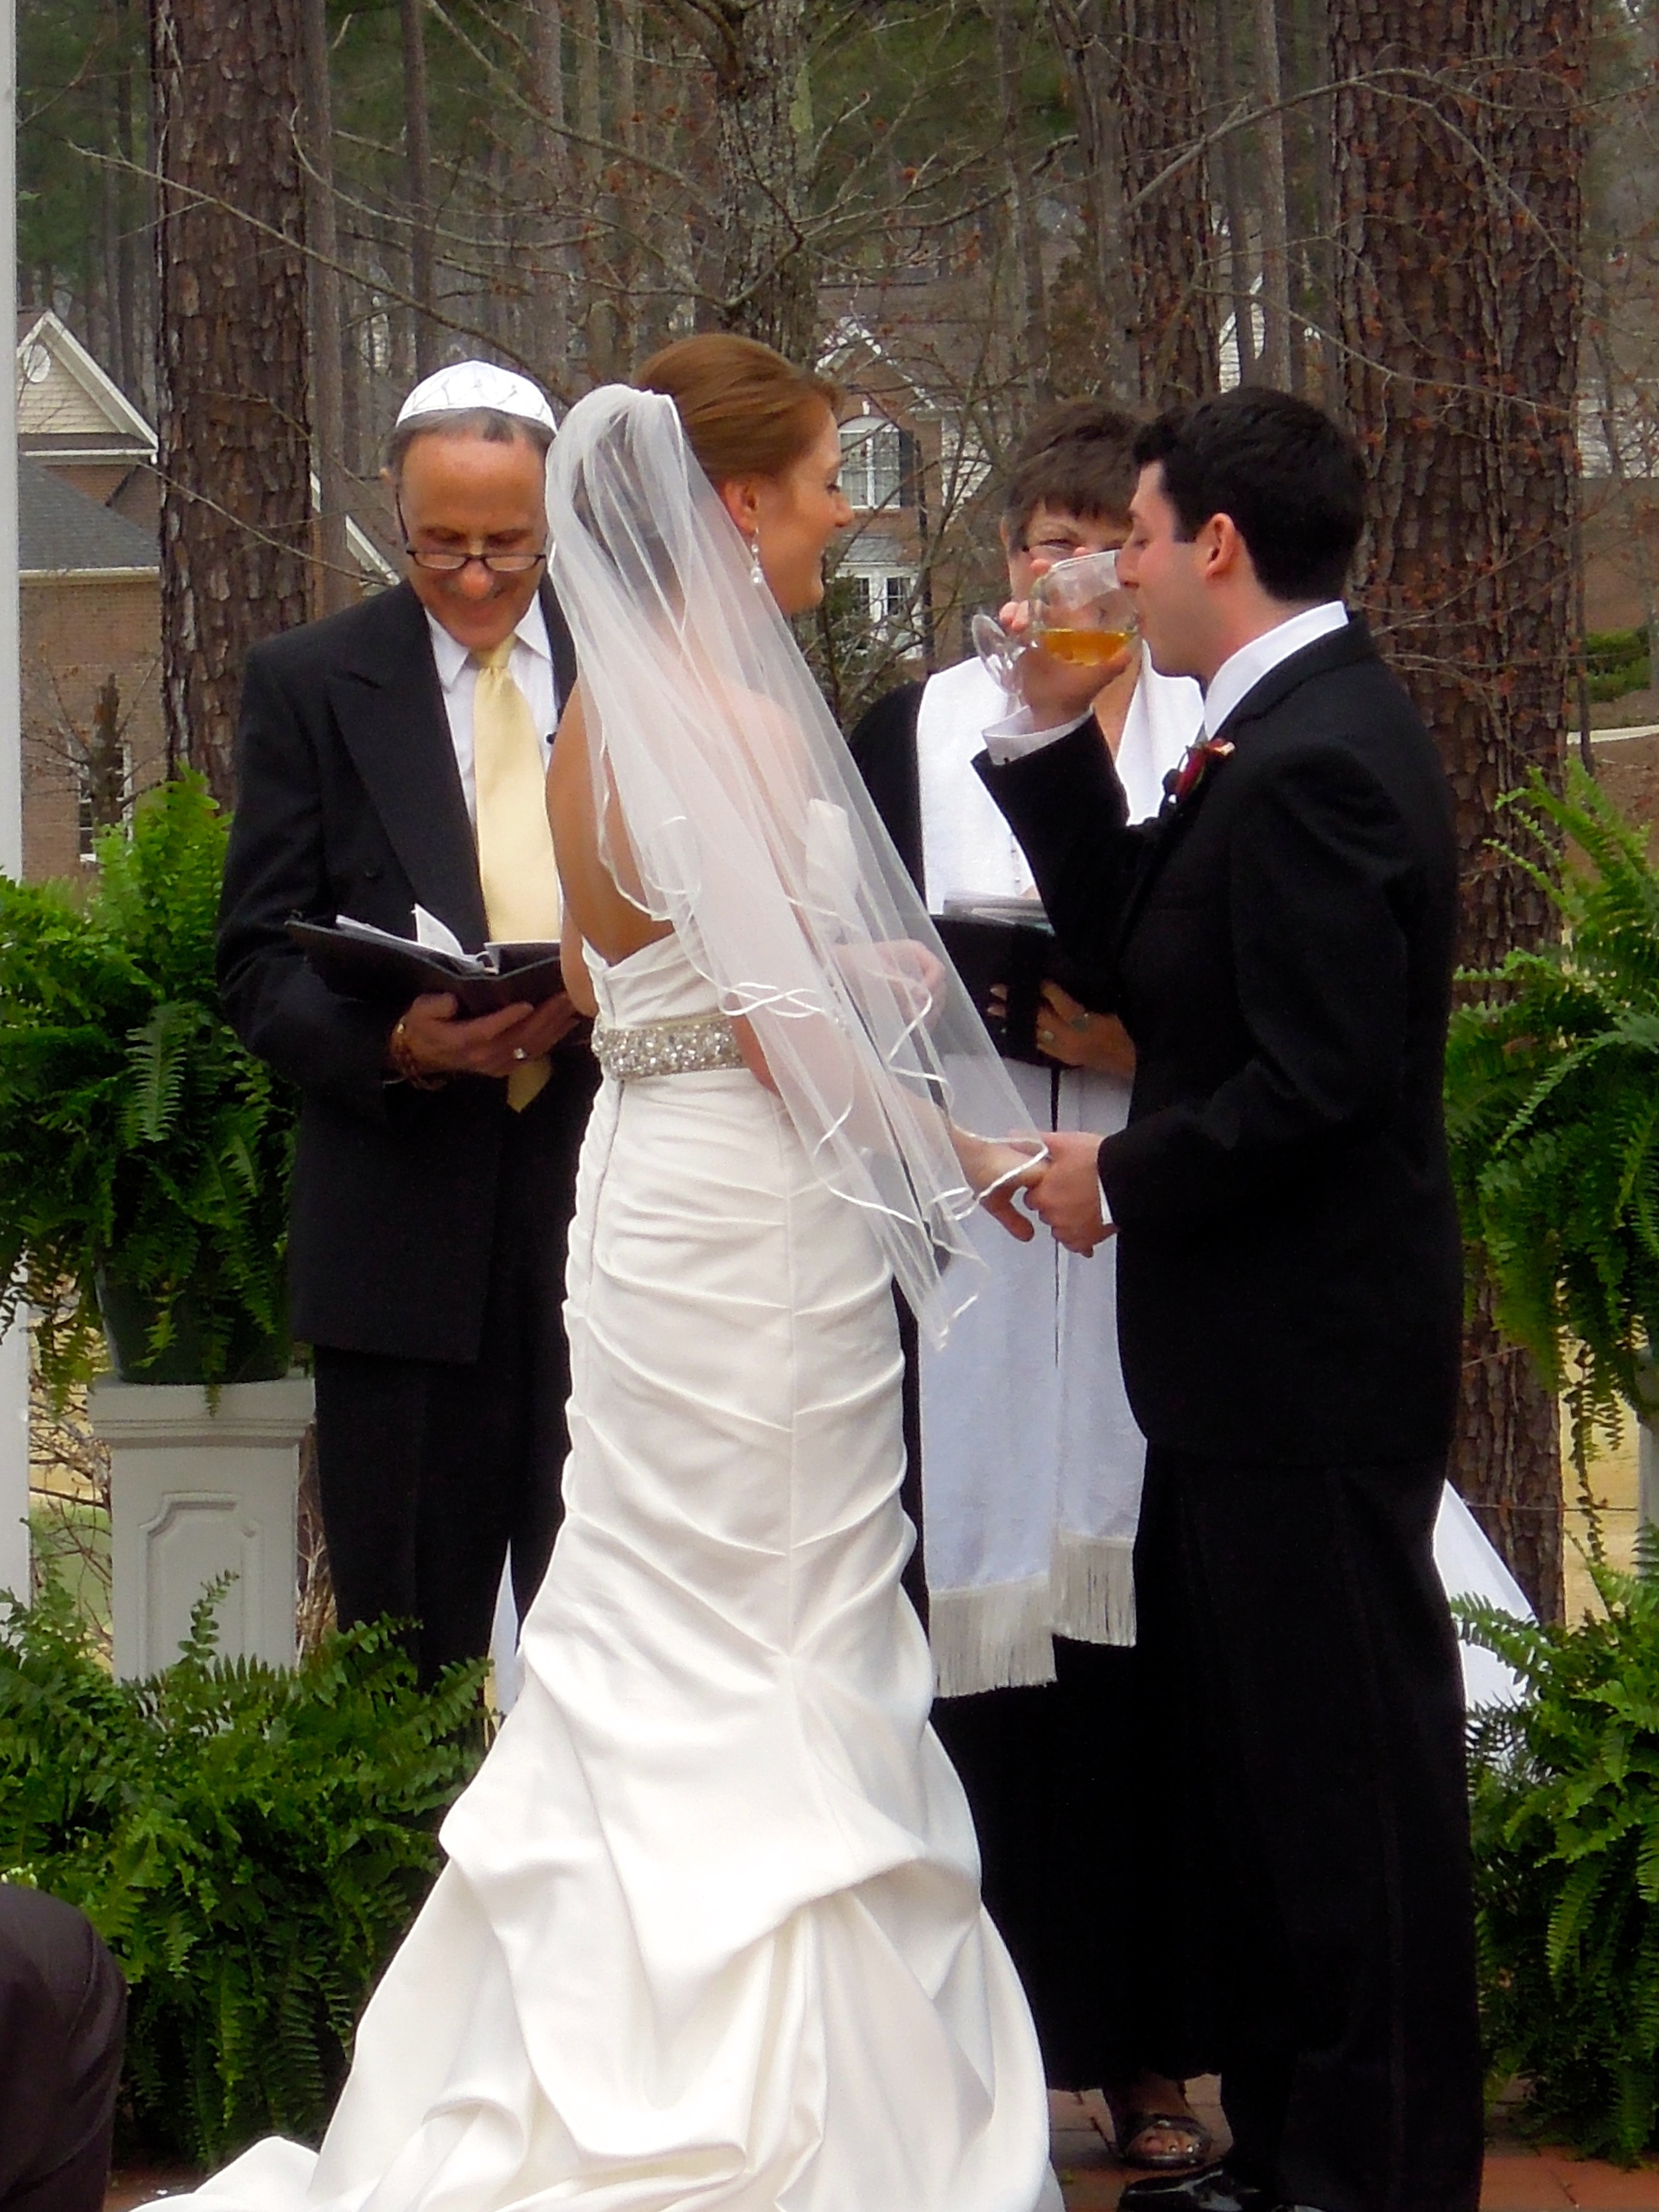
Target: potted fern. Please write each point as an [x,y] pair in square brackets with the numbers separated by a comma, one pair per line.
[144,1153]
[1565,1805]
[1553,1111]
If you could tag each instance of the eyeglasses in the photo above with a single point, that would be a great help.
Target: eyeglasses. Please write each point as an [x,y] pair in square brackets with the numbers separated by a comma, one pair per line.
[447,562]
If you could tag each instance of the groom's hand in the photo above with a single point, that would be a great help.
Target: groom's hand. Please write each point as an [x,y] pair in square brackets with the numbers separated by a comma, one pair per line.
[1054,691]
[1067,1200]
[1000,1205]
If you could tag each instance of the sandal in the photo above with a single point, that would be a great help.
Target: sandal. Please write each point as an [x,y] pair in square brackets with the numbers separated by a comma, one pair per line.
[1131,2122]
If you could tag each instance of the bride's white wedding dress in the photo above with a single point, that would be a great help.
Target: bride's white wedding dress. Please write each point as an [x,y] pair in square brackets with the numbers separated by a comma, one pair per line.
[709,1936]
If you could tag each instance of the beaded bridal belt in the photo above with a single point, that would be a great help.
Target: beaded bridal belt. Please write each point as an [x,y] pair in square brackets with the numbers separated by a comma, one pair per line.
[685,1046]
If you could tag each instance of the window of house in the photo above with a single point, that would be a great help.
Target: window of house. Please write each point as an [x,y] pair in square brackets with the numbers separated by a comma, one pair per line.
[103,795]
[889,600]
[877,464]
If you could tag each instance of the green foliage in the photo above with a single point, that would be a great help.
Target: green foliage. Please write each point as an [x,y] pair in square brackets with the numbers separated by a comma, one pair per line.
[76,59]
[1553,1111]
[1617,661]
[136,1133]
[250,1843]
[1565,1800]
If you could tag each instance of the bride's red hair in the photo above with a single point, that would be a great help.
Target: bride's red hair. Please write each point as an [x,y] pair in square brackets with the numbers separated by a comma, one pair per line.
[746,411]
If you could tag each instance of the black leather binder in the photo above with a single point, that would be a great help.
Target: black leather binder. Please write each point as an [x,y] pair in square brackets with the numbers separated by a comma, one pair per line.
[990,947]
[390,970]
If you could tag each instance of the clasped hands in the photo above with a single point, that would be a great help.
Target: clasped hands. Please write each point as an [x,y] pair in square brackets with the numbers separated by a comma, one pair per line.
[1063,1192]
[441,1040]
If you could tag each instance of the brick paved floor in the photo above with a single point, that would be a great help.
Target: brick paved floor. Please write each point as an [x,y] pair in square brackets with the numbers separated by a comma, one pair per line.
[1091,2180]
[1518,2179]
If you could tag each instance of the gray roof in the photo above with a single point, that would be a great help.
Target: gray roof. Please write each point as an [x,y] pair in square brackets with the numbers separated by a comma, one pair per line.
[60,528]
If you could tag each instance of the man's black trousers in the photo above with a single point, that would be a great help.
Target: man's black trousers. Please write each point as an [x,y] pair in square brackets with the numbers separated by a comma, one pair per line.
[1318,1818]
[430,1473]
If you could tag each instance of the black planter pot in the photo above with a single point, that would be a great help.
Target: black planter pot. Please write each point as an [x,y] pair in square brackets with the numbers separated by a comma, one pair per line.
[130,1315]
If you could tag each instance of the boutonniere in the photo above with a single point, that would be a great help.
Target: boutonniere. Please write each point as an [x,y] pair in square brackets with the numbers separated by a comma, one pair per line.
[1183,779]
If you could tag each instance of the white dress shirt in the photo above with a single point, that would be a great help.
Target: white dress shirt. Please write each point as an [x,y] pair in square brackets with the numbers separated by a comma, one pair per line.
[530,664]
[1242,671]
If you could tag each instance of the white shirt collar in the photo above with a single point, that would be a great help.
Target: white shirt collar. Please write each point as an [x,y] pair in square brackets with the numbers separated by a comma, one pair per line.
[1242,671]
[452,656]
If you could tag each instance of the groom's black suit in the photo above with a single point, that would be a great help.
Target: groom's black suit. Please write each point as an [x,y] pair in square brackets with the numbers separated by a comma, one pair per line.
[427,1229]
[1288,1302]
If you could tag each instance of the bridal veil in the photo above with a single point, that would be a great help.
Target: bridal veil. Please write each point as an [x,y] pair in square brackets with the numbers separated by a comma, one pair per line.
[749,830]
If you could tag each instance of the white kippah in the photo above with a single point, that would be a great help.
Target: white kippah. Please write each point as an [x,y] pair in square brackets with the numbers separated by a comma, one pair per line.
[468,384]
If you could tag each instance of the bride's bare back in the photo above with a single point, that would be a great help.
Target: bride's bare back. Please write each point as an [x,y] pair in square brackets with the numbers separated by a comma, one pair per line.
[595,902]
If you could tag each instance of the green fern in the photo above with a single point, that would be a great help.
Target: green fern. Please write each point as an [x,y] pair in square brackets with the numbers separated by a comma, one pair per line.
[250,1843]
[137,1135]
[1552,1114]
[1565,1803]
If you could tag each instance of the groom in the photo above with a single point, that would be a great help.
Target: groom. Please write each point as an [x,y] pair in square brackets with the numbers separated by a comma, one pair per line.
[1288,1287]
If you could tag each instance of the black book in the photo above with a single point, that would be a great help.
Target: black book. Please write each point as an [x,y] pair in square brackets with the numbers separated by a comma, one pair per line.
[1011,943]
[360,962]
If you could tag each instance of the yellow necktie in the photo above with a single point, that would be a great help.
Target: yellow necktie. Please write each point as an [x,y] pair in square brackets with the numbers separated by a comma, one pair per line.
[515,846]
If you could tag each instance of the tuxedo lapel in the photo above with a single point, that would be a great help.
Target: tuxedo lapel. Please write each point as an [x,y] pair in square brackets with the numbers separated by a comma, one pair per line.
[1173,820]
[389,709]
[1342,648]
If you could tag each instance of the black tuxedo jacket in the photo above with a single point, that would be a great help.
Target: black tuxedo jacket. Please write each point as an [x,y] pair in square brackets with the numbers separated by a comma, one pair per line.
[349,801]
[1282,944]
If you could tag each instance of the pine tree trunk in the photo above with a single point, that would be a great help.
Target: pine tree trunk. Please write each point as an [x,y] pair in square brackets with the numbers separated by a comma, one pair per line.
[553,279]
[234,443]
[766,273]
[127,270]
[1087,49]
[336,584]
[1239,222]
[1025,240]
[1276,335]
[1168,235]
[418,157]
[1459,295]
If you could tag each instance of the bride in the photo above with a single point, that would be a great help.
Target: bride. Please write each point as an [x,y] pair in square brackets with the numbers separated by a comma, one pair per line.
[709,1934]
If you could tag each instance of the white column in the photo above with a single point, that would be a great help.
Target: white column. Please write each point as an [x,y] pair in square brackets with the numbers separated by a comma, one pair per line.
[11,709]
[14,1349]
[198,1490]
[15,1461]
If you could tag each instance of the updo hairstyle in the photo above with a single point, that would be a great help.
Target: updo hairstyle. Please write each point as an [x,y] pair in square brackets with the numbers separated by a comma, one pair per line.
[745,410]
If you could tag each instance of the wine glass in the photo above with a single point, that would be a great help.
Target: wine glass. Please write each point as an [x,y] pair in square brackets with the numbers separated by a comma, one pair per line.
[1079,612]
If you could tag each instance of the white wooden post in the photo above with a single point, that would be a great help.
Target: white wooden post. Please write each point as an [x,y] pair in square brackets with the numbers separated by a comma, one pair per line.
[199,1489]
[14,1348]
[1647,1445]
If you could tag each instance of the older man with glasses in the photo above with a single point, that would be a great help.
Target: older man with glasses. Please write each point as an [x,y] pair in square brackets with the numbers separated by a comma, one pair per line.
[389,759]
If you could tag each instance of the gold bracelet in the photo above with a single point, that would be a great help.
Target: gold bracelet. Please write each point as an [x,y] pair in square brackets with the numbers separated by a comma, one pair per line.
[401,1053]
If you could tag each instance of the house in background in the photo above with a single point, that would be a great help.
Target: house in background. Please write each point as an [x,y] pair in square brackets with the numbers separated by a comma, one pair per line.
[91,620]
[914,474]
[88,508]
[91,608]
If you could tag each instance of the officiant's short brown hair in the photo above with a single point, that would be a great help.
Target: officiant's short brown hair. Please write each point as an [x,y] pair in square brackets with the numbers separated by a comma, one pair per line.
[1079,458]
[746,411]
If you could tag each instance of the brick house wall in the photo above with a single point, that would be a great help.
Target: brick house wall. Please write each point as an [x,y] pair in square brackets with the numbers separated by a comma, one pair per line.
[78,633]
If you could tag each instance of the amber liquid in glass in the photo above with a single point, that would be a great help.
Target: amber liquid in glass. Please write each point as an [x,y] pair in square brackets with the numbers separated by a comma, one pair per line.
[1084,648]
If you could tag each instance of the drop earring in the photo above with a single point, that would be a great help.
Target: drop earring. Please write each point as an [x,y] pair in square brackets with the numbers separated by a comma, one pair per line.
[757,574]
